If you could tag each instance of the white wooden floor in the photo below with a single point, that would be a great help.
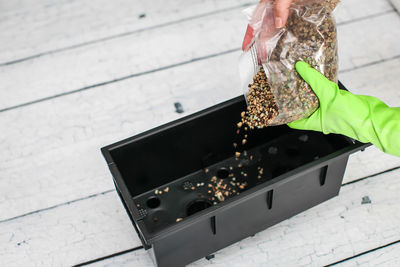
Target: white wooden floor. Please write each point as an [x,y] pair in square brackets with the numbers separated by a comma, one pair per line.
[78,75]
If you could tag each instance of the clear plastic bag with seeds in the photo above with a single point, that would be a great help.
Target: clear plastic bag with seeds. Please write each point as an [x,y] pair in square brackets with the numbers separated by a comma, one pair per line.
[274,91]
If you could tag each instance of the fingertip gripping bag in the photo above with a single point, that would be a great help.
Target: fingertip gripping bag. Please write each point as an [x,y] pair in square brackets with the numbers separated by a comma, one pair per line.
[274,91]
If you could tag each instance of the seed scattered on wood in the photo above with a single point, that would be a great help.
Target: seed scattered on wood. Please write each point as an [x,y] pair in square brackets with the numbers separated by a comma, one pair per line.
[166,189]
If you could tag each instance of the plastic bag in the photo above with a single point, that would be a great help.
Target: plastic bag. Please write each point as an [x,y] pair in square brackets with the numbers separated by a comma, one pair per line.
[274,91]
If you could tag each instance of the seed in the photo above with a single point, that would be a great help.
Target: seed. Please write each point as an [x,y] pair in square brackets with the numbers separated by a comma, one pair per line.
[156,192]
[243,114]
[237,154]
[234,145]
[239,124]
[179,219]
[251,157]
[193,188]
[244,141]
[166,189]
[206,170]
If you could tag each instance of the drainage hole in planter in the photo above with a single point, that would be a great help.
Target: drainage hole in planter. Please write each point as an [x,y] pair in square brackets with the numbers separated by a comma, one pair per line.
[292,152]
[153,202]
[222,173]
[197,205]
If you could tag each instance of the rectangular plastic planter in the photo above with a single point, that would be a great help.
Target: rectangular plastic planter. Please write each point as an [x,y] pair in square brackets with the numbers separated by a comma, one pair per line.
[300,170]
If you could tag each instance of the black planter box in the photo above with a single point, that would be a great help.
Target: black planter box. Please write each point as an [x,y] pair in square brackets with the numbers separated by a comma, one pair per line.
[284,172]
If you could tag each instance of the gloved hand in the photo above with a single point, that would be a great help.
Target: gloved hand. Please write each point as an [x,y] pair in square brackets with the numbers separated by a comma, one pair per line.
[364,118]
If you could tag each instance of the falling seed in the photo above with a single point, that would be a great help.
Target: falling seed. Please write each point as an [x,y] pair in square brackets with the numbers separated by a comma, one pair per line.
[160,192]
[233,179]
[244,141]
[230,167]
[245,174]
[239,124]
[193,188]
[237,131]
[245,128]
[214,203]
[259,177]
[245,136]
[251,157]
[206,170]
[209,185]
[243,114]
[234,145]
[209,191]
[178,219]
[237,154]
[240,165]
[166,189]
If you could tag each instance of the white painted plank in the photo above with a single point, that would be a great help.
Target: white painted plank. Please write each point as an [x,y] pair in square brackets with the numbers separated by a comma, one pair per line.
[145,51]
[332,231]
[68,234]
[50,150]
[33,27]
[388,256]
[369,41]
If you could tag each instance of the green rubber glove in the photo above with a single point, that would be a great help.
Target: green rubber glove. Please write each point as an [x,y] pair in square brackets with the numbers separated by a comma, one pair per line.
[364,118]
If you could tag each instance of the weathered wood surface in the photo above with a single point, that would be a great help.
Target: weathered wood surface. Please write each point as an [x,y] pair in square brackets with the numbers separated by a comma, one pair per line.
[50,150]
[32,28]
